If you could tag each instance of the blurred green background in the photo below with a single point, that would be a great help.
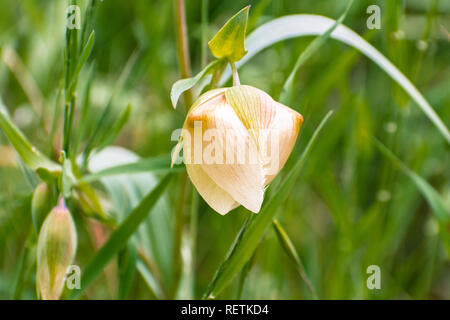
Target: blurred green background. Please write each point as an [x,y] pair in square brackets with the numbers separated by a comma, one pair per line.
[351,208]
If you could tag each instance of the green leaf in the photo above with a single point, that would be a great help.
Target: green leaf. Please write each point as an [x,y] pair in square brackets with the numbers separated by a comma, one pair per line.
[299,25]
[252,233]
[154,238]
[286,93]
[100,127]
[289,248]
[30,155]
[430,194]
[185,84]
[118,125]
[433,198]
[119,237]
[127,270]
[82,60]
[156,165]
[229,41]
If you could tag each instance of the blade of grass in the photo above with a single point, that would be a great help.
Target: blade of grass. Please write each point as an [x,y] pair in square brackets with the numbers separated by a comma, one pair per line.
[286,93]
[299,25]
[433,198]
[119,237]
[30,155]
[117,126]
[99,127]
[81,61]
[289,248]
[70,56]
[253,231]
[243,276]
[127,270]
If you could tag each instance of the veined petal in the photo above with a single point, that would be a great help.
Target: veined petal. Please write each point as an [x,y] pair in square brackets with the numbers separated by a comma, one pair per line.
[273,126]
[284,130]
[228,155]
[215,197]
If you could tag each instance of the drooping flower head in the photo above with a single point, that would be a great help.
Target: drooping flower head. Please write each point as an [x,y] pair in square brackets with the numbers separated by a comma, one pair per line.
[235,141]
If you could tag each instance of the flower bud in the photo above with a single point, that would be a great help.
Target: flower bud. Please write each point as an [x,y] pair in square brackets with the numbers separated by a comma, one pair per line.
[55,252]
[235,141]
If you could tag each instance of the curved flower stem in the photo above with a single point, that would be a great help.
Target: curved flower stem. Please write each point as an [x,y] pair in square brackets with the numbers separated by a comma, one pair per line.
[236,81]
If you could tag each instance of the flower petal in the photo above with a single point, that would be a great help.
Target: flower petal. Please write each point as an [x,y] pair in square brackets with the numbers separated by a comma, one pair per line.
[284,128]
[273,126]
[215,197]
[230,159]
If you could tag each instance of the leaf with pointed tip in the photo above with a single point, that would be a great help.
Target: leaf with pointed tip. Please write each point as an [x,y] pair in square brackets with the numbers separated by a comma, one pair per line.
[289,248]
[315,45]
[229,41]
[185,84]
[82,60]
[30,155]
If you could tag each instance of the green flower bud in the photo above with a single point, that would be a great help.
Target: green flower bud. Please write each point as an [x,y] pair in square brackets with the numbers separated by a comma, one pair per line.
[56,250]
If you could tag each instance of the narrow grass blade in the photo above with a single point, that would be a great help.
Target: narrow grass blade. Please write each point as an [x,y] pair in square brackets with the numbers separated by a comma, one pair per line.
[286,93]
[84,55]
[253,231]
[117,126]
[289,248]
[100,128]
[30,155]
[127,270]
[119,237]
[155,165]
[243,276]
[433,198]
[299,25]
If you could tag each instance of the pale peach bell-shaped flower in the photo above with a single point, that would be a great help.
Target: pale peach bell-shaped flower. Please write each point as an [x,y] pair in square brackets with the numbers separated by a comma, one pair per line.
[235,141]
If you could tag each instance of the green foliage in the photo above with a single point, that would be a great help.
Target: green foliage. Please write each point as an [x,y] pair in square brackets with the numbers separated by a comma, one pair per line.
[72,91]
[119,237]
[229,41]
[252,232]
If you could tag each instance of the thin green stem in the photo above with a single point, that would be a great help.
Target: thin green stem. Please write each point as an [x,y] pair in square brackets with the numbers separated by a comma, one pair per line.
[179,225]
[69,101]
[204,29]
[236,81]
[183,47]
[193,235]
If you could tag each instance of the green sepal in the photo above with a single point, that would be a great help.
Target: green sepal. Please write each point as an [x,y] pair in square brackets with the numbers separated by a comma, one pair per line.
[229,41]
